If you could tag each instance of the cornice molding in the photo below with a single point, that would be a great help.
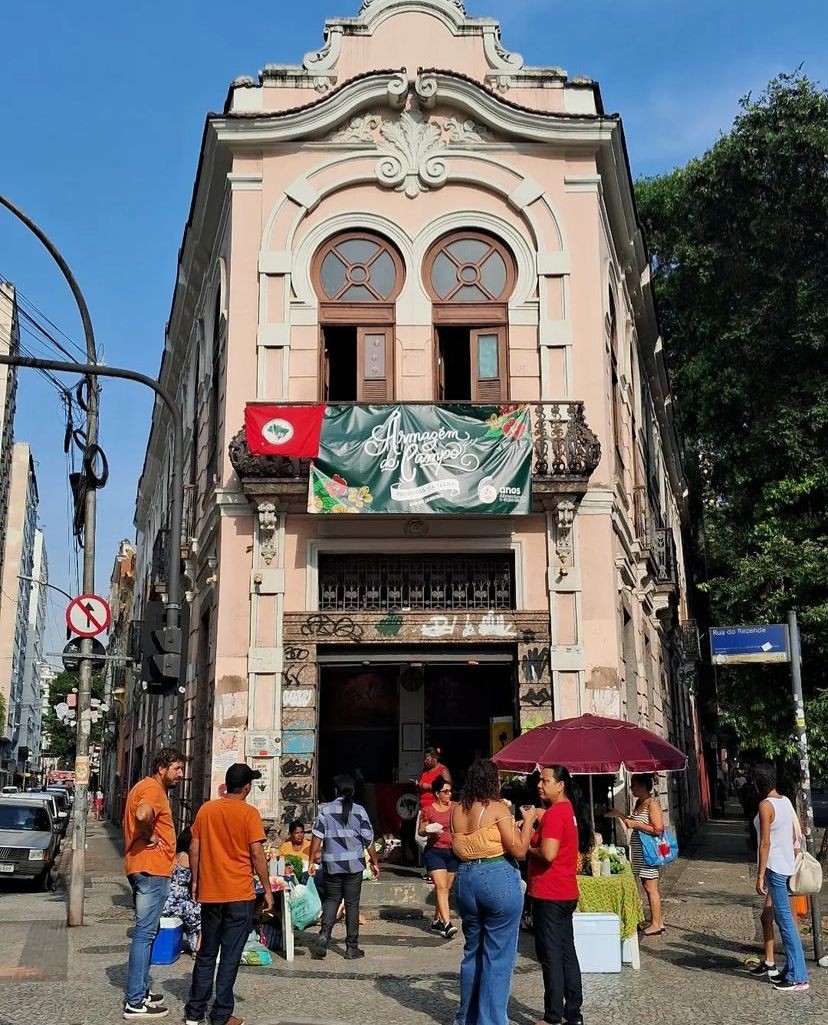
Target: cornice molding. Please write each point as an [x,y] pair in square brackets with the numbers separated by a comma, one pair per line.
[511,121]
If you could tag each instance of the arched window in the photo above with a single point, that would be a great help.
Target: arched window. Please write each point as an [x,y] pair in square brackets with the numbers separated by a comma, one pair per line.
[470,276]
[357,277]
[470,267]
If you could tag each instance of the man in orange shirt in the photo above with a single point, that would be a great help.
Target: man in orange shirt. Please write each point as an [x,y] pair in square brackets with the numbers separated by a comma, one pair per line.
[226,849]
[149,846]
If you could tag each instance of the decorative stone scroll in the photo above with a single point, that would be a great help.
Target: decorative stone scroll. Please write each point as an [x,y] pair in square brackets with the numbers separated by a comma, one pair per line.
[413,146]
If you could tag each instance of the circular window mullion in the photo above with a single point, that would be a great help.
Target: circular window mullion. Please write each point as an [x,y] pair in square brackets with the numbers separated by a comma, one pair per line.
[456,259]
[369,252]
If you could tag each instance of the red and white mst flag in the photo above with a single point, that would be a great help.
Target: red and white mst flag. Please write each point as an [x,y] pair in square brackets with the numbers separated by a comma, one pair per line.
[283,430]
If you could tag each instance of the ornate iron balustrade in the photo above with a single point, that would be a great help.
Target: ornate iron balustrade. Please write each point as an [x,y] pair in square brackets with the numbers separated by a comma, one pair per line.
[566,450]
[565,446]
[690,643]
[643,517]
[664,556]
[188,519]
[161,559]
[389,583]
[134,640]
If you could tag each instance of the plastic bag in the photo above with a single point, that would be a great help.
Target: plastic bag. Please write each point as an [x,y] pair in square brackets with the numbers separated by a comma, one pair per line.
[305,904]
[658,850]
[255,952]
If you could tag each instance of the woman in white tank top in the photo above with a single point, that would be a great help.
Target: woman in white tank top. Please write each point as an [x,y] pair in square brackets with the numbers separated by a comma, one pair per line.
[776,833]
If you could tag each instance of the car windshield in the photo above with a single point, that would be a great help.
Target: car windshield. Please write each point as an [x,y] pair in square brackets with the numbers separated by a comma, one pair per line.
[20,816]
[60,798]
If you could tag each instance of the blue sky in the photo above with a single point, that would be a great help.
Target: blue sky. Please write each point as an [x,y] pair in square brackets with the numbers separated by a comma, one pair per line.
[103,110]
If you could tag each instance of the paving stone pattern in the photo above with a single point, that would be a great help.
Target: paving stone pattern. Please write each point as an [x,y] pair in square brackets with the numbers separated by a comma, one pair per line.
[51,976]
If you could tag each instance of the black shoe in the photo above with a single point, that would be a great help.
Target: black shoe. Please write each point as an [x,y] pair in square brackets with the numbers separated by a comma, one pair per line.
[352,953]
[449,930]
[319,946]
[153,999]
[437,925]
[144,1010]
[765,970]
[789,986]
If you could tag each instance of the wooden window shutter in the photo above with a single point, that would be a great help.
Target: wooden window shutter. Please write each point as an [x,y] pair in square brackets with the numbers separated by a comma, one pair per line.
[374,363]
[488,365]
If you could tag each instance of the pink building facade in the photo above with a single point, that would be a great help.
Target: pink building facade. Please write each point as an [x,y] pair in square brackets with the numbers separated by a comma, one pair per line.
[412,215]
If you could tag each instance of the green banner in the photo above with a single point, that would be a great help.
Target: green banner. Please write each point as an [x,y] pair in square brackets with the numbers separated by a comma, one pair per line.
[421,459]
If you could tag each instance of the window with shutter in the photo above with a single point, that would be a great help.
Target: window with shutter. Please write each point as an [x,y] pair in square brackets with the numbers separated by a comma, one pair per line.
[470,277]
[357,277]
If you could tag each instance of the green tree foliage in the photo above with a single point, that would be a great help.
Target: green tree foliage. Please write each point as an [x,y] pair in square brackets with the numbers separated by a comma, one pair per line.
[739,241]
[62,735]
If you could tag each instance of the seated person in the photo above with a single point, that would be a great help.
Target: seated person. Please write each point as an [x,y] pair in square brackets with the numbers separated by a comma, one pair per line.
[297,845]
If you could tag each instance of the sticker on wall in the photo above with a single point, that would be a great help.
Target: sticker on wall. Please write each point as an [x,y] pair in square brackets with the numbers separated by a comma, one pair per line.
[264,744]
[298,742]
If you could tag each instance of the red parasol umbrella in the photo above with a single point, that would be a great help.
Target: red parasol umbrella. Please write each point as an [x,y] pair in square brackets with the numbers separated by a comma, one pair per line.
[590,744]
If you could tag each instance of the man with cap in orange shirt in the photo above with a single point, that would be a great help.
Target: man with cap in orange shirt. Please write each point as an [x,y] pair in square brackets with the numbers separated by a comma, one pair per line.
[226,849]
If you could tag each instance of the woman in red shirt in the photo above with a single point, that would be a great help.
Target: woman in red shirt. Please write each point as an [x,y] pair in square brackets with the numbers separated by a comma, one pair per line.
[440,860]
[432,768]
[553,886]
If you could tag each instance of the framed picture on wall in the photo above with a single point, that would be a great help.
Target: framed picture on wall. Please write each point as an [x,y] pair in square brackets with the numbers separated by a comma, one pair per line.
[412,736]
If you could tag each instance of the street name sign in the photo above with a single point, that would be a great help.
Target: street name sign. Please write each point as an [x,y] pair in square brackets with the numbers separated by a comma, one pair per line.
[764,643]
[88,615]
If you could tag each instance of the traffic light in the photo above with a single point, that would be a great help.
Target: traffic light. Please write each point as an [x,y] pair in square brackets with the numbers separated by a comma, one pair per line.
[163,669]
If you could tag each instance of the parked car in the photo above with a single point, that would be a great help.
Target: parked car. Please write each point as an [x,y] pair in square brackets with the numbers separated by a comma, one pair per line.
[63,792]
[28,840]
[52,801]
[10,790]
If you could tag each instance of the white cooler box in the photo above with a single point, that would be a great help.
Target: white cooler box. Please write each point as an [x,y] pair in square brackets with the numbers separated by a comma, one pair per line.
[598,942]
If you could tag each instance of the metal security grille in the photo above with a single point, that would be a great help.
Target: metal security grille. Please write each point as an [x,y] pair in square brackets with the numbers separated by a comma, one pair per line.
[367,583]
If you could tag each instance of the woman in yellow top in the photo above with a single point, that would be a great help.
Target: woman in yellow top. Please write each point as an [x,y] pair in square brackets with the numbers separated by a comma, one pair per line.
[486,839]
[297,845]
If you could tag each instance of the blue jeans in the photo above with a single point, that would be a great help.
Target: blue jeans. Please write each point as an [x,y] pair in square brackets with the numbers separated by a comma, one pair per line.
[780,898]
[224,927]
[490,903]
[149,894]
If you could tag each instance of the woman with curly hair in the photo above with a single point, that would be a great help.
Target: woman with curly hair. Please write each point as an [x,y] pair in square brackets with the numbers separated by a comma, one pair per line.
[486,840]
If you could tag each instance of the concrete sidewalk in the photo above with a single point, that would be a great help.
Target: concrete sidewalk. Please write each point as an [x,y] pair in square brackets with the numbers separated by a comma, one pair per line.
[409,976]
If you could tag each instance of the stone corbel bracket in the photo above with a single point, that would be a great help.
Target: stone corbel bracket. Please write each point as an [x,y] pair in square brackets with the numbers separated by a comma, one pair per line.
[565,509]
[268,517]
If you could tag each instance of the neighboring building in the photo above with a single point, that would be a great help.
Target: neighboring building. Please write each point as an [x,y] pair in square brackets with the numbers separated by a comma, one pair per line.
[48,674]
[461,230]
[9,343]
[18,565]
[120,676]
[29,741]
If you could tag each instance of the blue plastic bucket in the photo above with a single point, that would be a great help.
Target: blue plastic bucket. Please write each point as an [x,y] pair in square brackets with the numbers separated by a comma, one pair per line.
[167,946]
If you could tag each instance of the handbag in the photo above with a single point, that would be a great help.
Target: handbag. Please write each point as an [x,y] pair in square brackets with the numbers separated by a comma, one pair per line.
[657,851]
[807,874]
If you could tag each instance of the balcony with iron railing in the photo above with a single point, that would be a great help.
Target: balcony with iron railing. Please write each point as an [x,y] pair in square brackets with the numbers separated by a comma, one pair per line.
[657,543]
[566,452]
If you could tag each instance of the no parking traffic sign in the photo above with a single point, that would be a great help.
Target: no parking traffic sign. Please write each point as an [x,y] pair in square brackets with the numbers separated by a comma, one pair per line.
[88,615]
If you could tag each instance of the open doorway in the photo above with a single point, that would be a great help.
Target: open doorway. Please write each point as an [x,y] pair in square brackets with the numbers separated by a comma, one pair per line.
[340,363]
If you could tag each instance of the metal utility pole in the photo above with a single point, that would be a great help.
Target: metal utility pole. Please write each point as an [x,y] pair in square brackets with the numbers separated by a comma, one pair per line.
[804,770]
[76,885]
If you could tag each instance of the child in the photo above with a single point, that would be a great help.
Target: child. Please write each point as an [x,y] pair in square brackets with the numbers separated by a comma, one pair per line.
[180,900]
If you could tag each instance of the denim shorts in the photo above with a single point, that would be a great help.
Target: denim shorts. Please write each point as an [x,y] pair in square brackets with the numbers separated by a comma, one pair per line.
[441,859]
